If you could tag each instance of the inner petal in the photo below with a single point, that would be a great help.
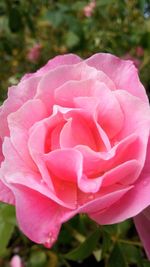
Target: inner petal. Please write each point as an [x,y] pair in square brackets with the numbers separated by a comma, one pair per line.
[77,131]
[98,163]
[109,113]
[65,168]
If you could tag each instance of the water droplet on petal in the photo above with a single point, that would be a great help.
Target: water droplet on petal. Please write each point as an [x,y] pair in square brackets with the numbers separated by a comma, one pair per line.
[50,240]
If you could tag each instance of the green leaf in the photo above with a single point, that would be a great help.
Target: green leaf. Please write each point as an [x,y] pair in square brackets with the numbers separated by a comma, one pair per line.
[85,249]
[8,214]
[117,258]
[71,39]
[15,20]
[56,18]
[132,254]
[6,230]
[146,263]
[106,243]
[104,2]
[7,224]
[142,4]
[37,259]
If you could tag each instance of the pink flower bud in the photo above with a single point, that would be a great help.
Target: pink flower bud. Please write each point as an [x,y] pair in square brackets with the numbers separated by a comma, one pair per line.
[16,261]
[88,9]
[34,53]
[139,51]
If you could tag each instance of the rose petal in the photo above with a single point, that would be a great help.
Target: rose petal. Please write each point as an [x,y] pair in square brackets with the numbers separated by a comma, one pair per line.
[14,170]
[131,203]
[99,204]
[77,131]
[19,124]
[53,63]
[65,168]
[17,95]
[122,73]
[38,217]
[1,153]
[42,131]
[57,77]
[6,194]
[95,163]
[142,223]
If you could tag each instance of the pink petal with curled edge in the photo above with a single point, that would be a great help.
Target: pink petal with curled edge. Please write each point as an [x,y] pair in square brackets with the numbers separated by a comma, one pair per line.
[89,131]
[53,63]
[65,168]
[6,194]
[77,131]
[38,217]
[12,162]
[102,202]
[17,96]
[53,142]
[142,223]
[139,122]
[122,72]
[1,153]
[124,174]
[66,164]
[88,185]
[42,131]
[66,93]
[95,163]
[57,77]
[110,117]
[133,202]
[87,87]
[15,171]
[19,124]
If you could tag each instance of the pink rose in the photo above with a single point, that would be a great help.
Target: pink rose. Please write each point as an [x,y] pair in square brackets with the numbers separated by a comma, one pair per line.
[74,138]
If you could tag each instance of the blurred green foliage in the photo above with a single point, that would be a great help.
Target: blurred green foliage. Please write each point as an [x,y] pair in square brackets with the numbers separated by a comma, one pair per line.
[57,27]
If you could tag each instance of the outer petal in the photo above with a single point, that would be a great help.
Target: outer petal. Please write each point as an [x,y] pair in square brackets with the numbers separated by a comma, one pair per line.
[123,73]
[1,153]
[5,194]
[20,122]
[132,203]
[55,78]
[17,96]
[103,201]
[142,223]
[53,63]
[39,218]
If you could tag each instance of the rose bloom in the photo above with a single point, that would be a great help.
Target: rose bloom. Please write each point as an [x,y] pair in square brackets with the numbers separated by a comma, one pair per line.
[74,139]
